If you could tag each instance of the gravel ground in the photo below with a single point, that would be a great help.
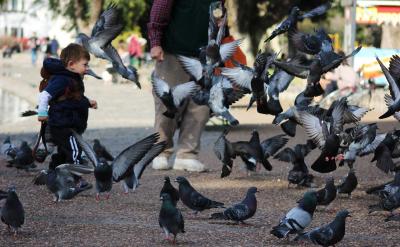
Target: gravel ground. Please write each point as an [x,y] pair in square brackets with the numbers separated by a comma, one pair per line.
[132,220]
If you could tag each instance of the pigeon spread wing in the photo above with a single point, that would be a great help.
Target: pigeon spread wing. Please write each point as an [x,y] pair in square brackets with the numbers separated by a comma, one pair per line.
[313,128]
[160,86]
[389,101]
[150,155]
[286,155]
[132,155]
[281,80]
[227,50]
[320,10]
[239,76]
[271,145]
[182,91]
[192,67]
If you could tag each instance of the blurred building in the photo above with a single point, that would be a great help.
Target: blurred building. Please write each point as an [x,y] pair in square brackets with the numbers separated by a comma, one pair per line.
[22,18]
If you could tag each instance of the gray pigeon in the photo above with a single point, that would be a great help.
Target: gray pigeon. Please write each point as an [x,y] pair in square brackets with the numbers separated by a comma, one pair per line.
[127,166]
[173,97]
[101,151]
[193,199]
[8,150]
[170,218]
[24,159]
[169,189]
[62,180]
[327,194]
[298,218]
[241,211]
[349,183]
[330,234]
[12,212]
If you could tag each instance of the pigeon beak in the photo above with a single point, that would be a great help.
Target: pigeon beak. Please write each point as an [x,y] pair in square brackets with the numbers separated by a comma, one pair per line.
[349,215]
[258,191]
[91,73]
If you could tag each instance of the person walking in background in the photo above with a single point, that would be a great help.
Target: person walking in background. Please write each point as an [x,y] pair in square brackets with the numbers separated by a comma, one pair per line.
[34,46]
[135,51]
[47,46]
[178,27]
[54,46]
[345,77]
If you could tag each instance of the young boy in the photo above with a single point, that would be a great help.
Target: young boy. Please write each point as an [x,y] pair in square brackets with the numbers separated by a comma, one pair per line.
[63,104]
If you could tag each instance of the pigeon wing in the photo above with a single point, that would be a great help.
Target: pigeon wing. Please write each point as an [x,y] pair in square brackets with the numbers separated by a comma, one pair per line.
[313,128]
[150,155]
[182,91]
[228,49]
[132,155]
[286,155]
[192,66]
[240,76]
[271,145]
[86,148]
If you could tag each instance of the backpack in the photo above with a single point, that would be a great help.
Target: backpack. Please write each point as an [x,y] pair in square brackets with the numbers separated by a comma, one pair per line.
[45,79]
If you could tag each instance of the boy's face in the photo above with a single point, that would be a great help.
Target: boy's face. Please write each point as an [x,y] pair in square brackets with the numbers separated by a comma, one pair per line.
[79,66]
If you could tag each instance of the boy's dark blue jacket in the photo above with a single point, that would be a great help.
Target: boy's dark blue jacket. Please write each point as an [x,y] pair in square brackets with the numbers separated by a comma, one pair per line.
[69,108]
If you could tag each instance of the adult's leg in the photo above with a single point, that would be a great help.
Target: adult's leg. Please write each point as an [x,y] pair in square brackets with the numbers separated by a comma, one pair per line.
[170,71]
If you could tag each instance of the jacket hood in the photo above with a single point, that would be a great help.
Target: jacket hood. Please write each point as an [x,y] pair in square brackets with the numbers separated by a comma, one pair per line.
[55,67]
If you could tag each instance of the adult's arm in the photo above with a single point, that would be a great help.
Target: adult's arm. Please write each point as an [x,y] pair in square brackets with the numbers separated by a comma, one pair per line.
[159,19]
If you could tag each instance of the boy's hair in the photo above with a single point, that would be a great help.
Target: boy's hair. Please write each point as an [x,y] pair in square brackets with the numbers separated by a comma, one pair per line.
[73,52]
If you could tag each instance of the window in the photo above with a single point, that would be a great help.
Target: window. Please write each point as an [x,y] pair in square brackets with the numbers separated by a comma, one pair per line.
[14,5]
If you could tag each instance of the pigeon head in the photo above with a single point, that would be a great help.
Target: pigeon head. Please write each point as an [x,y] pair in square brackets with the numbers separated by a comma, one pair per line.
[165,197]
[24,144]
[181,180]
[295,11]
[80,38]
[11,189]
[343,214]
[102,161]
[252,190]
[166,179]
[309,201]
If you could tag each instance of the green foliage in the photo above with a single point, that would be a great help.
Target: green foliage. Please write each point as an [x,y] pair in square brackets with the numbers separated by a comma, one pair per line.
[131,11]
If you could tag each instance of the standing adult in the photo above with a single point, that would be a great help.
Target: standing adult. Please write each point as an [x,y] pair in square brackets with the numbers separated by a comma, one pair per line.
[178,27]
[54,47]
[34,46]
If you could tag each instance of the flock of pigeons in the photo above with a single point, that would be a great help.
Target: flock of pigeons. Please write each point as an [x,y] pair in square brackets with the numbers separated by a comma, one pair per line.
[325,128]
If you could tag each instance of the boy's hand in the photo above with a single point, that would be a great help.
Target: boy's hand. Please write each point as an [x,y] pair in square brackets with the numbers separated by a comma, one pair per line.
[93,104]
[42,118]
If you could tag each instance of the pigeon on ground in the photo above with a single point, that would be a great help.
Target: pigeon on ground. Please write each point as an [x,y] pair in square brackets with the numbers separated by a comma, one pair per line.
[169,189]
[193,199]
[223,149]
[349,184]
[392,76]
[8,150]
[172,98]
[62,180]
[389,203]
[298,218]
[386,189]
[170,218]
[330,234]
[299,174]
[24,159]
[12,212]
[101,151]
[128,165]
[241,211]
[327,194]
[290,22]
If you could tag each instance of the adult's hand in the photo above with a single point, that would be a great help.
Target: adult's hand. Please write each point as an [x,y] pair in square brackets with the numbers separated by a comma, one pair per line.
[157,53]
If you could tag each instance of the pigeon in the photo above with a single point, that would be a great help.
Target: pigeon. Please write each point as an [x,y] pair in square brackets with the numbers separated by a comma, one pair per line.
[62,180]
[241,211]
[330,234]
[193,199]
[90,72]
[290,23]
[8,150]
[12,212]
[127,72]
[383,152]
[349,183]
[127,166]
[200,71]
[223,149]
[363,136]
[392,76]
[389,203]
[299,173]
[169,189]
[24,159]
[101,151]
[327,194]
[106,28]
[172,98]
[370,148]
[393,218]
[386,189]
[170,218]
[298,218]
[326,139]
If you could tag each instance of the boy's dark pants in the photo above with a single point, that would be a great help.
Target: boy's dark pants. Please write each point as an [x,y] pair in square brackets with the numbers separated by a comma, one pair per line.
[68,149]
